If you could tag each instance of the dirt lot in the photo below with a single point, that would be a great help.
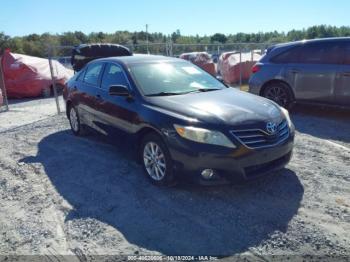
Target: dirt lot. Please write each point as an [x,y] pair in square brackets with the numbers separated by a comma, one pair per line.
[64,195]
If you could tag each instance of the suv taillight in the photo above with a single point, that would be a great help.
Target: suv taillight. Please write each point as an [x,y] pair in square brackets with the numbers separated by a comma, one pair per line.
[255,68]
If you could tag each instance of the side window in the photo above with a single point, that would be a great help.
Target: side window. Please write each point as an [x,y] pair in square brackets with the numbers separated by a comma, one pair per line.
[80,75]
[113,75]
[289,56]
[346,51]
[92,74]
[321,53]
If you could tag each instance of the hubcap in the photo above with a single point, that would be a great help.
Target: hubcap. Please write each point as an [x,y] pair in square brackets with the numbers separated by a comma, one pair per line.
[277,94]
[154,161]
[74,120]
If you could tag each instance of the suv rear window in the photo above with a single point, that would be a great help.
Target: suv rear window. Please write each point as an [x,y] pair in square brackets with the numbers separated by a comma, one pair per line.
[311,53]
[347,54]
[320,53]
[289,56]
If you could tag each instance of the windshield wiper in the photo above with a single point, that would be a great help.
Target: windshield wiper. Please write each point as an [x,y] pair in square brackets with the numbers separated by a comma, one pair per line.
[202,90]
[185,92]
[165,94]
[207,89]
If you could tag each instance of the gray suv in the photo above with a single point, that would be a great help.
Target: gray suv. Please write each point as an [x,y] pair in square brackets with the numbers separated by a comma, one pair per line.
[305,71]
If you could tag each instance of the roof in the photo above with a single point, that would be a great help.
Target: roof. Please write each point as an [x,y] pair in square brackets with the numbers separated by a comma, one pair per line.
[329,39]
[136,59]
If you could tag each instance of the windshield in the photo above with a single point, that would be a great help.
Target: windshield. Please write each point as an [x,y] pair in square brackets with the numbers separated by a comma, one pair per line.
[169,78]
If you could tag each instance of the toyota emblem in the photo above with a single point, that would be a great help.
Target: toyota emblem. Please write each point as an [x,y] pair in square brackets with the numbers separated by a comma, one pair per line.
[271,128]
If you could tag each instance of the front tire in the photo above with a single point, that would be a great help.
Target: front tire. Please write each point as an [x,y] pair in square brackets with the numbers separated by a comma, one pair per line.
[279,93]
[156,161]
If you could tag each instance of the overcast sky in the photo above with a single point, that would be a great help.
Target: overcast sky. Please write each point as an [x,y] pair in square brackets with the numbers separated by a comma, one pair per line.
[203,17]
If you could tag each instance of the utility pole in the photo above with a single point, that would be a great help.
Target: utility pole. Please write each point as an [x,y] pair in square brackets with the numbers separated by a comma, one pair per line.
[53,79]
[147,38]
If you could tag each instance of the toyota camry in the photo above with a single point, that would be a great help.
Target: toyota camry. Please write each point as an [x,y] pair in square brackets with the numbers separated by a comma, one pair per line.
[185,122]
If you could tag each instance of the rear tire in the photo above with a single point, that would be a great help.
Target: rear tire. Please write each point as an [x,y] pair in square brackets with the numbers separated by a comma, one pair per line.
[74,120]
[156,161]
[279,93]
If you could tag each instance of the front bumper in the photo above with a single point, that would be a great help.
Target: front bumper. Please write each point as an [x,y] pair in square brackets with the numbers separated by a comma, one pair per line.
[230,165]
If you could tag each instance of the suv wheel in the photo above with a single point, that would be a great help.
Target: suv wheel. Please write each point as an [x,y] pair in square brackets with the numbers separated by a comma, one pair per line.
[279,93]
[156,161]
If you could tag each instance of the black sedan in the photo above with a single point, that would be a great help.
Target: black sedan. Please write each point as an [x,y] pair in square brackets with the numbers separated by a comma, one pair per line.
[184,120]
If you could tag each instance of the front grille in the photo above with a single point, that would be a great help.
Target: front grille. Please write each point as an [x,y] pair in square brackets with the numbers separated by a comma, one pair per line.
[257,138]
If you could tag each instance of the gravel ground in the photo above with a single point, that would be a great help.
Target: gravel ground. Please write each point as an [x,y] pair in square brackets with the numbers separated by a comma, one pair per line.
[64,195]
[26,111]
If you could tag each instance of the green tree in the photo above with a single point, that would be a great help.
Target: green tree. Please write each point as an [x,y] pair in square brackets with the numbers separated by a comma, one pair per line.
[221,38]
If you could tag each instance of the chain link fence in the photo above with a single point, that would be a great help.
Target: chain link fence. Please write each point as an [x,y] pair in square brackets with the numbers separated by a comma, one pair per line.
[167,49]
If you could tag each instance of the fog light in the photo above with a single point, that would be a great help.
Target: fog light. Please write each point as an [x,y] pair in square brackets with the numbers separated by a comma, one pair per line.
[207,173]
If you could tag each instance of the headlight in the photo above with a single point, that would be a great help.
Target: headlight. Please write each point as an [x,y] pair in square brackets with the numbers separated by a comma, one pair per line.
[286,115]
[204,136]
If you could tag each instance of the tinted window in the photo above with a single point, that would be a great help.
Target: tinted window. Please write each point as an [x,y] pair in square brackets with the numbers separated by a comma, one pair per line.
[80,75]
[113,75]
[92,74]
[289,56]
[320,53]
[347,53]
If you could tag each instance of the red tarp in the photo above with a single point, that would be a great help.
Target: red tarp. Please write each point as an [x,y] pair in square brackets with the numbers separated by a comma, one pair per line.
[1,98]
[229,66]
[28,76]
[201,59]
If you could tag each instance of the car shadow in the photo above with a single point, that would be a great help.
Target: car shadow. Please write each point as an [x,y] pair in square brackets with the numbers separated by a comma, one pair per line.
[101,182]
[322,122]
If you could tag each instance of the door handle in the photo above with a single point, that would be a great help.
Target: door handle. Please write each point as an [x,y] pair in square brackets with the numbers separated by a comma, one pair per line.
[346,73]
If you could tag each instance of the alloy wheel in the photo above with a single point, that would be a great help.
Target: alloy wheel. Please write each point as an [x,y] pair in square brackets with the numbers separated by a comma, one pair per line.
[154,161]
[73,118]
[277,94]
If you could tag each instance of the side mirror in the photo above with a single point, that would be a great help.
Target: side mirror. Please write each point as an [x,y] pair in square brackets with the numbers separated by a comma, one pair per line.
[118,90]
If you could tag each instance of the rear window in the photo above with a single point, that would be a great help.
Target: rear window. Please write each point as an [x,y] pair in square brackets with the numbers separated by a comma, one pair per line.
[92,74]
[289,56]
[347,54]
[311,53]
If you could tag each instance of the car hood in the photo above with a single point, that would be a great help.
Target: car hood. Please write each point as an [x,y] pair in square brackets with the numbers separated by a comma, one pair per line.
[228,106]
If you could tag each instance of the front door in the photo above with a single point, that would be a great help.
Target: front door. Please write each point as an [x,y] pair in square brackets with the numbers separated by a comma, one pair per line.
[116,112]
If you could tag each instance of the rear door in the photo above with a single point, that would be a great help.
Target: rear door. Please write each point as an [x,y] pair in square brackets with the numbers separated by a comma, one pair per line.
[342,92]
[314,73]
[88,96]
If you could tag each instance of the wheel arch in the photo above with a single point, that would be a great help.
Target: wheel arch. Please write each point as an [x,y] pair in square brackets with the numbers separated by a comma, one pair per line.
[68,105]
[145,131]
[276,81]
